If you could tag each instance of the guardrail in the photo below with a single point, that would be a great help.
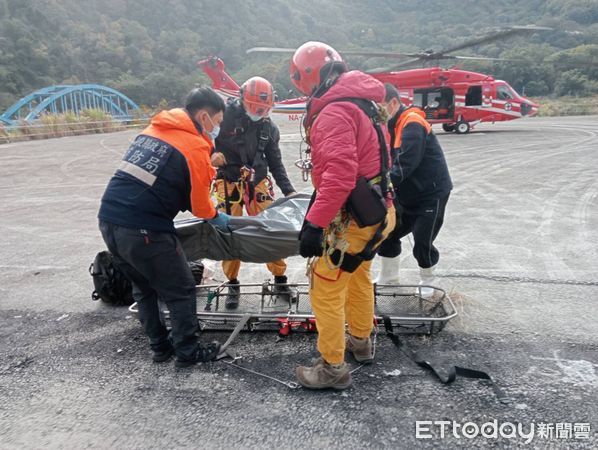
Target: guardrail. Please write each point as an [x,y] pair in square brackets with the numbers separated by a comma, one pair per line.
[34,131]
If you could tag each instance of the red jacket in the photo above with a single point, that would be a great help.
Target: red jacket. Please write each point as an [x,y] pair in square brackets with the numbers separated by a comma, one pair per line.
[343,142]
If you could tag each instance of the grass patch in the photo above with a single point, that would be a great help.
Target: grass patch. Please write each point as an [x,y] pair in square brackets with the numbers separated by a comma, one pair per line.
[567,106]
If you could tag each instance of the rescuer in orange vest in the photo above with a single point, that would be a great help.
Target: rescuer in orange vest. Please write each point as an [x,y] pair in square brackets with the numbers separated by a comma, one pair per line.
[422,185]
[166,169]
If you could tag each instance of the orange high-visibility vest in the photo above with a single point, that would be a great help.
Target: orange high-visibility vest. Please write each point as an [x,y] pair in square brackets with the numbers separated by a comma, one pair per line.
[176,128]
[411,115]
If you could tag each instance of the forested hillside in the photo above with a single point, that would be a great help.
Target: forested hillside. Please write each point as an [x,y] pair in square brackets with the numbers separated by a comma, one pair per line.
[148,48]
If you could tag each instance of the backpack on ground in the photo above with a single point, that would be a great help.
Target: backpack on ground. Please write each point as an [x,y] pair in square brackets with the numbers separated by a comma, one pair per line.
[110,284]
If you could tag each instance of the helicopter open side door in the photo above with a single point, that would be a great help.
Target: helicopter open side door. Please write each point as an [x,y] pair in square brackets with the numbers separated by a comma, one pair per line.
[437,102]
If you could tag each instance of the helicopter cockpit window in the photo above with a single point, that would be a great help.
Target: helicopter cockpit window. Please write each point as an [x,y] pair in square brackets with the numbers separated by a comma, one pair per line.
[504,93]
[418,99]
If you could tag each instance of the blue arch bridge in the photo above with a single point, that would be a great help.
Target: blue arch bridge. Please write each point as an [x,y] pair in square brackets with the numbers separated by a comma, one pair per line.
[70,98]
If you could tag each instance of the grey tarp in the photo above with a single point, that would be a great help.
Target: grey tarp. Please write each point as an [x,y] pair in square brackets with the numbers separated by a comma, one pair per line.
[271,235]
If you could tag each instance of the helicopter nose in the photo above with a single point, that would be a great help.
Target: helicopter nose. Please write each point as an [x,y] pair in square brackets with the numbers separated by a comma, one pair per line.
[529,108]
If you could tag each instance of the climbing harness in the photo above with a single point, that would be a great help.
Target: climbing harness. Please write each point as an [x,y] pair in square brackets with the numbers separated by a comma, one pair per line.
[335,241]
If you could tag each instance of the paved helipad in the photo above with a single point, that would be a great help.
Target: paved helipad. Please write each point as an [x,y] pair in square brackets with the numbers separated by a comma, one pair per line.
[519,254]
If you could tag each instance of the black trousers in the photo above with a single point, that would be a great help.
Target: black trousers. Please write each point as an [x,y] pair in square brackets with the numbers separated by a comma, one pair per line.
[424,221]
[157,267]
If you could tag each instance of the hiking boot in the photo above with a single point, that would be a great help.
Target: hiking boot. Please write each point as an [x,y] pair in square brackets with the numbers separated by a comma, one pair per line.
[163,354]
[202,354]
[361,349]
[282,292]
[234,292]
[323,376]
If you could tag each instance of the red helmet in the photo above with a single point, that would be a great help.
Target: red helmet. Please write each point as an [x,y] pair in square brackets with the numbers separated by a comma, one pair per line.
[307,64]
[257,96]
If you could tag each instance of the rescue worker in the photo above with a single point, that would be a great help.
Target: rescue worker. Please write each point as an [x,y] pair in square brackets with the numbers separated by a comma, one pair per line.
[422,185]
[246,148]
[166,169]
[345,147]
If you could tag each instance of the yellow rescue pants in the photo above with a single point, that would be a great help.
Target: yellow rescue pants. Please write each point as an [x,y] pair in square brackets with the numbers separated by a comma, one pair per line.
[338,297]
[263,199]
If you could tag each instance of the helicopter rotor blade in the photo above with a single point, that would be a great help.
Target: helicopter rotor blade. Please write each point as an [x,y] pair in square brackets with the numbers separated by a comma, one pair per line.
[482,58]
[426,55]
[590,63]
[500,34]
[376,54]
[342,52]
[270,50]
[403,64]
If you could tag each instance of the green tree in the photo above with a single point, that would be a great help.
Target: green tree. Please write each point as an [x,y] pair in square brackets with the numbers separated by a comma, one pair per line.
[574,82]
[149,48]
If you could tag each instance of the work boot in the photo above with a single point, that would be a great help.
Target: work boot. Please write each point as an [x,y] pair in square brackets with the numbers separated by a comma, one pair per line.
[361,349]
[234,292]
[282,293]
[389,271]
[427,278]
[323,376]
[202,354]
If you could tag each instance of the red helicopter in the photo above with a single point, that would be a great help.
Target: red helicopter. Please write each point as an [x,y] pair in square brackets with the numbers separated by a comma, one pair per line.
[455,98]
[459,99]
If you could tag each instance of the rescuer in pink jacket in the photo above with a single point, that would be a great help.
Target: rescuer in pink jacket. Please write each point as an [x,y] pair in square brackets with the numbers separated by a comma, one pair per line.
[343,141]
[346,150]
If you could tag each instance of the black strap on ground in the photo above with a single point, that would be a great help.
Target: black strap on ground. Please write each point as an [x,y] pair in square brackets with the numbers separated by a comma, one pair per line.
[224,350]
[451,372]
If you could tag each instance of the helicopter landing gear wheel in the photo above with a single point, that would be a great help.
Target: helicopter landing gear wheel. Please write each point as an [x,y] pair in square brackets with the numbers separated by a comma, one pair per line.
[462,127]
[449,128]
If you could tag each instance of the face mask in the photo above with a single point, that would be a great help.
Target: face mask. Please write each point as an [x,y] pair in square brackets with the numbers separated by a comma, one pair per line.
[215,130]
[214,133]
[254,118]
[390,110]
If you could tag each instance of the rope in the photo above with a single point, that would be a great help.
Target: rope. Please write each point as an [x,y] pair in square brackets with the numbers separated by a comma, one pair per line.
[334,239]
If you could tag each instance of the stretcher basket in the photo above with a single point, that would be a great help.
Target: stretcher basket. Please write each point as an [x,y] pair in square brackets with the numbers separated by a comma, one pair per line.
[408,311]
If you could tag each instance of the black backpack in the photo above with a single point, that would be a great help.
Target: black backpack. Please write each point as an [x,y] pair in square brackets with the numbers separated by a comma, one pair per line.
[110,284]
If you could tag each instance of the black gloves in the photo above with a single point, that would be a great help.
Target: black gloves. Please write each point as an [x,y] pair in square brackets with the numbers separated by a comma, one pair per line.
[310,240]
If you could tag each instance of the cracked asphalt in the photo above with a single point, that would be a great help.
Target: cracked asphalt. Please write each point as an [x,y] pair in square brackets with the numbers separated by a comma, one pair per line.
[519,256]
